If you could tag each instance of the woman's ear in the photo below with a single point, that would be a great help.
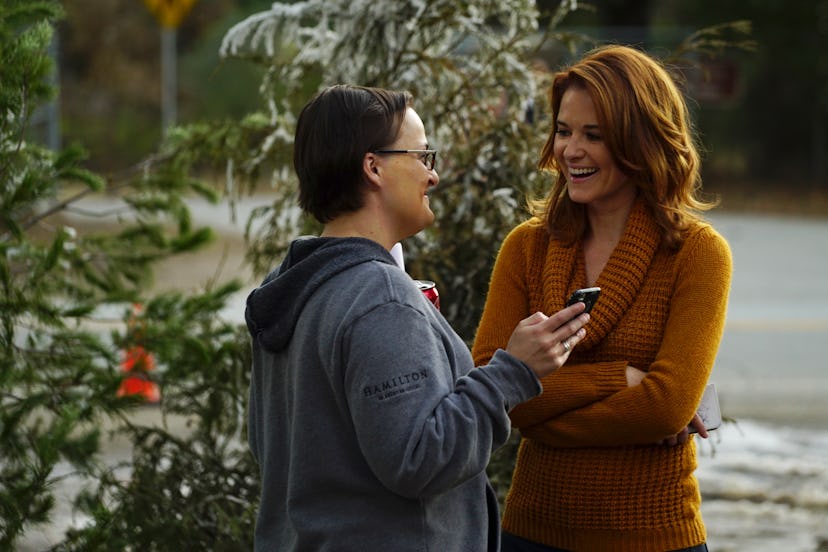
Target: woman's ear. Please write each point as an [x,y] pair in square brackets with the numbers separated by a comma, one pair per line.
[371,168]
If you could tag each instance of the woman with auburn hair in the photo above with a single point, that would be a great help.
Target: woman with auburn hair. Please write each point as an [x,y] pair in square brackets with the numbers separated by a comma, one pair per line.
[607,457]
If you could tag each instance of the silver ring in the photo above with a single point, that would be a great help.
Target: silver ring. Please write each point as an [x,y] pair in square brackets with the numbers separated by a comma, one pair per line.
[566,345]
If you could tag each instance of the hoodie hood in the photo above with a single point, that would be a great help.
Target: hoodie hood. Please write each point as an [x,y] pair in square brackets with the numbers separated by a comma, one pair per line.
[274,307]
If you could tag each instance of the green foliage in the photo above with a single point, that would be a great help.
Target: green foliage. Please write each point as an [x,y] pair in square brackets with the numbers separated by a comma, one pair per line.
[191,481]
[74,245]
[712,41]
[212,88]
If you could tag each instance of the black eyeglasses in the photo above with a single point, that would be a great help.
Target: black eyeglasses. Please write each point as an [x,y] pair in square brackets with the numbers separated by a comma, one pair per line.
[428,157]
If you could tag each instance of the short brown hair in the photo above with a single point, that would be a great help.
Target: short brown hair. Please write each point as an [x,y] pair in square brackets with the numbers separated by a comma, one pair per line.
[646,126]
[335,130]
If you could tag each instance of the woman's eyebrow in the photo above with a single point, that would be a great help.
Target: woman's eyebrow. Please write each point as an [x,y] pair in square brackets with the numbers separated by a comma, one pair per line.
[591,126]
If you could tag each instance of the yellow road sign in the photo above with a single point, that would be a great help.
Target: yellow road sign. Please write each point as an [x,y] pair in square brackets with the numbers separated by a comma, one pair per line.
[170,13]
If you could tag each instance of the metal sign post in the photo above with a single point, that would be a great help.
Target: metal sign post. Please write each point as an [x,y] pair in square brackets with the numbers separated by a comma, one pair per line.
[170,14]
[169,79]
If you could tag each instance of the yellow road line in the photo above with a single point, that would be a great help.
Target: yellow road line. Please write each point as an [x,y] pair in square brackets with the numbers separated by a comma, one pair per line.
[782,324]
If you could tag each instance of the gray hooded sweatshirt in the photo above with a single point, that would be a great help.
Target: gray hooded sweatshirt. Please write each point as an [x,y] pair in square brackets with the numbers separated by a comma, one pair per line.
[369,424]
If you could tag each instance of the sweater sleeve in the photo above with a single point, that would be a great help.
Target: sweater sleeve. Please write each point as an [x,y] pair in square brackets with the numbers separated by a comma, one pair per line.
[507,302]
[664,402]
[571,387]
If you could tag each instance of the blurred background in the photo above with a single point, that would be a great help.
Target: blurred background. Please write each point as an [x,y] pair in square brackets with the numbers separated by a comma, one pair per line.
[178,471]
[762,115]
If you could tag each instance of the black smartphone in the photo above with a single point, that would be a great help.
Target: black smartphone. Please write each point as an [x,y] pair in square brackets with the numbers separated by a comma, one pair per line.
[587,296]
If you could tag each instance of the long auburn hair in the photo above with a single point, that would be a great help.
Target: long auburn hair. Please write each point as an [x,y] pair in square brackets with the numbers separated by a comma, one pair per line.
[646,126]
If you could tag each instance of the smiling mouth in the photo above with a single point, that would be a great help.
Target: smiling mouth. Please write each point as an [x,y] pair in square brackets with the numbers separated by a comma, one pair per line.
[582,173]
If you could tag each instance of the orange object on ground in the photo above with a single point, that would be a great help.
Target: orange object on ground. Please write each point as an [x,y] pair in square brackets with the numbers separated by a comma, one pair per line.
[136,364]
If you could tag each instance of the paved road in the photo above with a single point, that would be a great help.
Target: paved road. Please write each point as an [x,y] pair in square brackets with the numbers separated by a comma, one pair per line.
[773,362]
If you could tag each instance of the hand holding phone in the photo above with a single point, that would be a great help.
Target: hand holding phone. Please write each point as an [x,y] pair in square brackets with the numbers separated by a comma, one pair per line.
[587,296]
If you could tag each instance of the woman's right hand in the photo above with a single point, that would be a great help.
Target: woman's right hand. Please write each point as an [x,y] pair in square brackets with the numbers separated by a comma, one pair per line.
[544,342]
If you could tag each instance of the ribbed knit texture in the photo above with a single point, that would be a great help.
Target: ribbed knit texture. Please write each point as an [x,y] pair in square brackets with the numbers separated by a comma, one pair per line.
[587,476]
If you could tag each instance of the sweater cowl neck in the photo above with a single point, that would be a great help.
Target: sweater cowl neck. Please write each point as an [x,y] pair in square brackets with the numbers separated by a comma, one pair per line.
[620,281]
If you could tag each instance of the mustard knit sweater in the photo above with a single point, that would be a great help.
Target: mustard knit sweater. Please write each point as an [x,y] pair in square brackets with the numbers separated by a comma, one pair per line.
[588,476]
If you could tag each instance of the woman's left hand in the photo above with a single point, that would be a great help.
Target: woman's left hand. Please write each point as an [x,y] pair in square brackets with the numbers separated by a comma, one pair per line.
[683,436]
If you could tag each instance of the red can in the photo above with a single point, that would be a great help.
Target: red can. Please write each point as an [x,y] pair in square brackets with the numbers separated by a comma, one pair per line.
[429,289]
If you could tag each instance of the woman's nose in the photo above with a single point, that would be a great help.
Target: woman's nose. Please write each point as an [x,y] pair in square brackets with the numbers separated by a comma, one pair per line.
[573,148]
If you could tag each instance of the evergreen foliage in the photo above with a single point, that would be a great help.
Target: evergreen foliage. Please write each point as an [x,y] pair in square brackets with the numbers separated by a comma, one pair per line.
[59,285]
[191,483]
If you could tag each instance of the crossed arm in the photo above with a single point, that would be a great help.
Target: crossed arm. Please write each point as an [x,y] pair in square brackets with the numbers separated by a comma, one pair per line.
[615,403]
